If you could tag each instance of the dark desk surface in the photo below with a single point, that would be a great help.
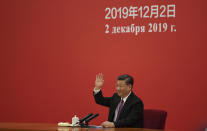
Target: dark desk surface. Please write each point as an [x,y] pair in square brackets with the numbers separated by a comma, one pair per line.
[54,127]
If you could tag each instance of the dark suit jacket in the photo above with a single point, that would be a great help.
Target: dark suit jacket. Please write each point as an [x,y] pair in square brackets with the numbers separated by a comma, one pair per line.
[131,114]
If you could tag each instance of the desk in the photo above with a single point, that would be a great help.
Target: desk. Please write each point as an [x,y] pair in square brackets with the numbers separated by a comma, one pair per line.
[54,127]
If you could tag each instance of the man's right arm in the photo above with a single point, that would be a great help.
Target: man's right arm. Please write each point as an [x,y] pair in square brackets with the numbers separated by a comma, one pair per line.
[97,93]
[104,101]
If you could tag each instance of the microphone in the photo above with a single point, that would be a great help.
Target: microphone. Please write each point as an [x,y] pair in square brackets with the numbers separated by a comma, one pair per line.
[91,118]
[86,117]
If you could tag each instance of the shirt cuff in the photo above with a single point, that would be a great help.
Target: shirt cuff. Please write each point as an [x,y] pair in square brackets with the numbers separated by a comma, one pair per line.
[96,91]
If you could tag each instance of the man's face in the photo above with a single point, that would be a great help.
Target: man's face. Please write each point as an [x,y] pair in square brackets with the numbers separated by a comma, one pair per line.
[122,88]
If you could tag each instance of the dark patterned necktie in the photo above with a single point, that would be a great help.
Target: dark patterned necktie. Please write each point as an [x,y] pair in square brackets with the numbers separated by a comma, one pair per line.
[120,108]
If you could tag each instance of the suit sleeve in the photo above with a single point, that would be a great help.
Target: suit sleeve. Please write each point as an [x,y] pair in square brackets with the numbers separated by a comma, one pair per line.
[101,100]
[135,115]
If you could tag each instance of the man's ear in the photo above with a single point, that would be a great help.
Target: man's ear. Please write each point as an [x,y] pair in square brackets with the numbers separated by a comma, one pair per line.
[130,86]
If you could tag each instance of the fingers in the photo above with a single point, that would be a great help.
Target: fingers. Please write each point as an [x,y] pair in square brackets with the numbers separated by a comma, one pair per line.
[99,81]
[103,124]
[99,76]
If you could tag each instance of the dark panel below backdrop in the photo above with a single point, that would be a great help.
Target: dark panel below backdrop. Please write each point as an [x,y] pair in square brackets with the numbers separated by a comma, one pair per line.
[51,51]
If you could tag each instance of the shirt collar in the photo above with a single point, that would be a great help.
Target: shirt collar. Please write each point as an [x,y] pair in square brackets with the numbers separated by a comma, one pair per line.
[125,98]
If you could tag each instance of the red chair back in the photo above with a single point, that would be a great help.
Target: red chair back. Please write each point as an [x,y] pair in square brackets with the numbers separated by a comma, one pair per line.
[154,119]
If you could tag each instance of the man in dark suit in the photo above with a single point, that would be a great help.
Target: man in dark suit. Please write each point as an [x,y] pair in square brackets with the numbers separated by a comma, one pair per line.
[125,108]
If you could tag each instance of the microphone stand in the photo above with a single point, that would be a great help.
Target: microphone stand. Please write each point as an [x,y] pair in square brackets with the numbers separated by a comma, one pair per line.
[84,124]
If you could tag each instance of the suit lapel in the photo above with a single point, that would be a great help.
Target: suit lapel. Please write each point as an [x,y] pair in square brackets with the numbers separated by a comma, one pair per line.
[127,103]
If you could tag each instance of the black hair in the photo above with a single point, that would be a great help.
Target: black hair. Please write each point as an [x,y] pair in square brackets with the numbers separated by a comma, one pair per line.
[127,78]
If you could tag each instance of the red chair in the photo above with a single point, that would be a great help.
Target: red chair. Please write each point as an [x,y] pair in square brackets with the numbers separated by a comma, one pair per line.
[154,119]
